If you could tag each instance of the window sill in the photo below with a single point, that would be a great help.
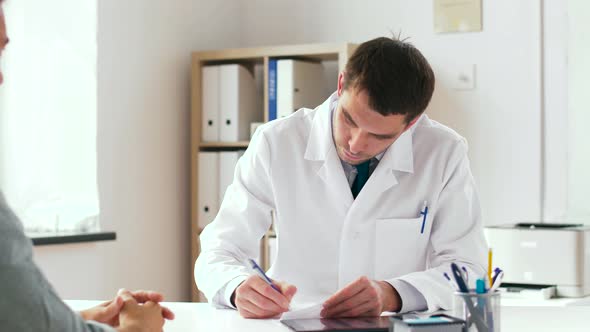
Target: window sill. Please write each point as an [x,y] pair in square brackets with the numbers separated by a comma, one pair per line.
[64,238]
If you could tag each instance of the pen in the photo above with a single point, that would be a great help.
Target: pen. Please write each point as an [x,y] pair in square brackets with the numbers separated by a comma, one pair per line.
[481,325]
[261,274]
[465,275]
[496,273]
[424,213]
[483,304]
[480,288]
[497,281]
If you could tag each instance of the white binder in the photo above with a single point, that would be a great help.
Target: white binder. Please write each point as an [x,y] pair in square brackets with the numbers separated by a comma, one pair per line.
[227,165]
[210,103]
[237,103]
[208,197]
[299,84]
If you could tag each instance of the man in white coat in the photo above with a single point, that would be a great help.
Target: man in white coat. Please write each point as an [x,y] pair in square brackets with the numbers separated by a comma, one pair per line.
[373,200]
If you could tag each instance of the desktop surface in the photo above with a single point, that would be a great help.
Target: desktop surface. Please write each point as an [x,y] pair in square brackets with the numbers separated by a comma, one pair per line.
[202,317]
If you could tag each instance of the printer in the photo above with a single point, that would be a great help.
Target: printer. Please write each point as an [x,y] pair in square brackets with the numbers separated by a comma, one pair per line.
[543,254]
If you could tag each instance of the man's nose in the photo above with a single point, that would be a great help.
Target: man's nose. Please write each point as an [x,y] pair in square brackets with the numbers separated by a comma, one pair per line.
[357,142]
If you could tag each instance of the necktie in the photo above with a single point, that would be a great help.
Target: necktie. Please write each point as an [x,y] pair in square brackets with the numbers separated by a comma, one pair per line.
[361,178]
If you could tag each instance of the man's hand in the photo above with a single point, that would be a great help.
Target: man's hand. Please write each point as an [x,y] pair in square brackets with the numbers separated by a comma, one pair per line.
[254,298]
[362,297]
[108,312]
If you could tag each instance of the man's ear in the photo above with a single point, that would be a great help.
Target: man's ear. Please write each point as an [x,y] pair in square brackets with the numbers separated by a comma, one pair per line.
[340,84]
[409,125]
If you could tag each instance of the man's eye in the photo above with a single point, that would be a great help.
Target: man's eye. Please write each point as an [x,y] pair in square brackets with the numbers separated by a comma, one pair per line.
[383,138]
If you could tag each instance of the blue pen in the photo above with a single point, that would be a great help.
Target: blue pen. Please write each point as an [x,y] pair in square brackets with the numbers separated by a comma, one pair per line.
[497,281]
[424,213]
[496,273]
[465,275]
[453,285]
[261,274]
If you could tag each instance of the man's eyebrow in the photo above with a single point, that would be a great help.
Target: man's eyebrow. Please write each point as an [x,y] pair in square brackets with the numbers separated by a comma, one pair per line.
[347,116]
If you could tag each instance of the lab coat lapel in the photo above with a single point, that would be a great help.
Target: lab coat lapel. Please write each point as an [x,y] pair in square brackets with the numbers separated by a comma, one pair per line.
[320,148]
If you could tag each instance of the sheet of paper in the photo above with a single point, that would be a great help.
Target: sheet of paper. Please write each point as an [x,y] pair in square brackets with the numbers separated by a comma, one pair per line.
[303,311]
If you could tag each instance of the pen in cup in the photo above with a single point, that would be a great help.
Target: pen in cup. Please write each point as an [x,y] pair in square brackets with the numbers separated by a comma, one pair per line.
[497,281]
[475,315]
[465,275]
[490,267]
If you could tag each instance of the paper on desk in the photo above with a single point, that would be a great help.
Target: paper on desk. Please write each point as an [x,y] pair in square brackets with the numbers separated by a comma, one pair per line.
[303,311]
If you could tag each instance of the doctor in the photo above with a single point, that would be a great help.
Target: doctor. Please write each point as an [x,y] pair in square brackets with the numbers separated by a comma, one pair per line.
[373,200]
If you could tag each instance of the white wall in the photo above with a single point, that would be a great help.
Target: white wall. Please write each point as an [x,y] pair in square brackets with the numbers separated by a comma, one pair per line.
[578,110]
[567,156]
[555,122]
[500,117]
[143,148]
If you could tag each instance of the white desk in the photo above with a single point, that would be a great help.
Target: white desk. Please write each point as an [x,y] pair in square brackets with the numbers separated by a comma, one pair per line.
[202,317]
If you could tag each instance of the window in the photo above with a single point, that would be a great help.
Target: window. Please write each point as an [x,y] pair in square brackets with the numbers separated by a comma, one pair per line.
[48,115]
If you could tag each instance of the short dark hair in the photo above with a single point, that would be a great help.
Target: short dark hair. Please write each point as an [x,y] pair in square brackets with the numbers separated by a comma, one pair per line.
[395,75]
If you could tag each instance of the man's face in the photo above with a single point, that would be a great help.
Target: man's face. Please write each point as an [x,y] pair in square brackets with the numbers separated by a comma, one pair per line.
[3,39]
[360,133]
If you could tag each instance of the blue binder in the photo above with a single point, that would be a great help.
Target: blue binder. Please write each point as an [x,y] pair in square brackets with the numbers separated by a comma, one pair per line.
[272,89]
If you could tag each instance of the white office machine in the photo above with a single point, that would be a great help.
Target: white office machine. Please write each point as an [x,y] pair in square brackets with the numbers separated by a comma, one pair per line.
[547,257]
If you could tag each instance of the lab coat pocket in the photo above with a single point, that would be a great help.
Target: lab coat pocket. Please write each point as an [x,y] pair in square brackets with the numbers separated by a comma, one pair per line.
[399,247]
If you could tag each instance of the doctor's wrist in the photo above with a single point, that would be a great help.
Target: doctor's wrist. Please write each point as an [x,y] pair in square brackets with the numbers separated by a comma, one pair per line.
[392,301]
[232,299]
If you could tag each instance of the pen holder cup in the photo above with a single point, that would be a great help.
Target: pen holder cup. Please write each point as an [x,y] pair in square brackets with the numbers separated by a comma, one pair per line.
[481,312]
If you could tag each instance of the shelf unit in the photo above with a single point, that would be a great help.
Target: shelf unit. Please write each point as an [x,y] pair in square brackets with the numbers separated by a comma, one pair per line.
[249,57]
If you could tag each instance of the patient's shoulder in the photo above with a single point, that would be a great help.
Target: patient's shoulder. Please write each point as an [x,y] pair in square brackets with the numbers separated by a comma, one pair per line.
[15,246]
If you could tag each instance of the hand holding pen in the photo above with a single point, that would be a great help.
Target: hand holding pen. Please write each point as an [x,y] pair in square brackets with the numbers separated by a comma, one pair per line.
[260,297]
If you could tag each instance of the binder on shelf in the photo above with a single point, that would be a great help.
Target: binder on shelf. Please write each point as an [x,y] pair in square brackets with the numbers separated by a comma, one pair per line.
[237,103]
[272,89]
[299,84]
[227,165]
[210,103]
[208,199]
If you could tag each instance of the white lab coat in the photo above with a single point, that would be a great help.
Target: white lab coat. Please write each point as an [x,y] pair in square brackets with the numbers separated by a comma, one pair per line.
[327,239]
